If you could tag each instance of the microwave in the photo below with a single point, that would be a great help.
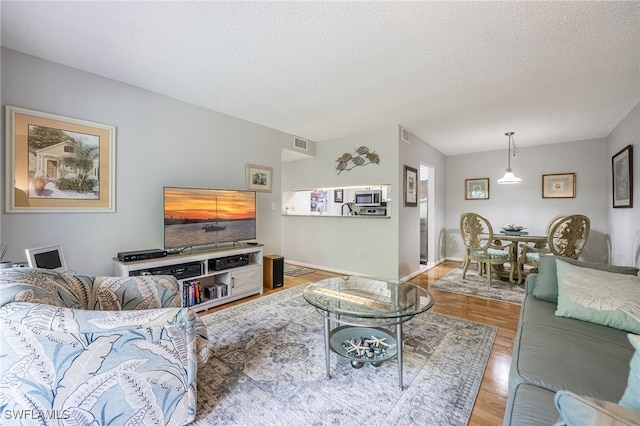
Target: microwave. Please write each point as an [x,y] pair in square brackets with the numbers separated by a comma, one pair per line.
[368,198]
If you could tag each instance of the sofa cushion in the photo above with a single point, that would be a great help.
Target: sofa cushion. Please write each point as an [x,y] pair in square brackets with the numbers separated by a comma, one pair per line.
[556,359]
[543,313]
[631,397]
[576,410]
[526,406]
[135,293]
[546,285]
[599,297]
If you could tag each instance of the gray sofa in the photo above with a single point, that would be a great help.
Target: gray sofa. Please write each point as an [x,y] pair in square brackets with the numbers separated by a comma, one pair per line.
[552,353]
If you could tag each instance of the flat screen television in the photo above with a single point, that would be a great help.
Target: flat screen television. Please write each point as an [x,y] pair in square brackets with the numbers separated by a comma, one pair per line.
[196,217]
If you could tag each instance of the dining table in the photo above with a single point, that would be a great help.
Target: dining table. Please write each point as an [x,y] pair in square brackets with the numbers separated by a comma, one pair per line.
[512,240]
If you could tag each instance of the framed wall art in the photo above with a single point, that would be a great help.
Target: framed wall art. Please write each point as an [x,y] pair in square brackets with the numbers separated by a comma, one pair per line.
[58,164]
[338,195]
[410,186]
[622,176]
[259,178]
[561,185]
[476,189]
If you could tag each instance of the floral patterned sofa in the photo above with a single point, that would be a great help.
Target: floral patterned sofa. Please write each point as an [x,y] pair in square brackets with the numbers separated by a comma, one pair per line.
[77,349]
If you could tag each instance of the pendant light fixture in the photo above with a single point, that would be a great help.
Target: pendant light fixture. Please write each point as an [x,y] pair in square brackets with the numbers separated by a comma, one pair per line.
[509,177]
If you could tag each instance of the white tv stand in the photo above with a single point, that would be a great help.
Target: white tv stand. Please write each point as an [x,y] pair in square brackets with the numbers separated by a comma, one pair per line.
[240,281]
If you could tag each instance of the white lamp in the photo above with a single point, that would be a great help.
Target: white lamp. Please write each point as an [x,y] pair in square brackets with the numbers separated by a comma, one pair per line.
[509,177]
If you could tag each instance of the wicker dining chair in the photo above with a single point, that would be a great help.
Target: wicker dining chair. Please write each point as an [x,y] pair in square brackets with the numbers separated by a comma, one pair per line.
[566,237]
[477,235]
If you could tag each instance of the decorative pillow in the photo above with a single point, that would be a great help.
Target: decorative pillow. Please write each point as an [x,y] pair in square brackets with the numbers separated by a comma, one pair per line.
[631,397]
[547,282]
[599,297]
[582,410]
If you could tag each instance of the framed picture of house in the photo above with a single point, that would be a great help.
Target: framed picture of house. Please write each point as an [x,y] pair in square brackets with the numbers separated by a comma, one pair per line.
[410,186]
[58,164]
[561,185]
[476,189]
[259,178]
[622,177]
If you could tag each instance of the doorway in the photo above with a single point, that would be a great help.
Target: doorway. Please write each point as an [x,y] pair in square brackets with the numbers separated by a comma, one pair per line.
[426,205]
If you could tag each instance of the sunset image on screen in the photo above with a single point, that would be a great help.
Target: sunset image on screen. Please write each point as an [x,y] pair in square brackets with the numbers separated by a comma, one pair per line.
[208,204]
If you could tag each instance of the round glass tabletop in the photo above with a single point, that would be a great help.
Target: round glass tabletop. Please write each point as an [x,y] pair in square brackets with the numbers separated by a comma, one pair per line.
[363,297]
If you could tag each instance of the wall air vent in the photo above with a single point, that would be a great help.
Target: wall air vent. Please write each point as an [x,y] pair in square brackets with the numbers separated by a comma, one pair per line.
[405,135]
[300,143]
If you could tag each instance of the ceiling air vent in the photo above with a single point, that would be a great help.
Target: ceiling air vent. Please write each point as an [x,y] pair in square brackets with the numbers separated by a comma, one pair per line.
[406,135]
[300,143]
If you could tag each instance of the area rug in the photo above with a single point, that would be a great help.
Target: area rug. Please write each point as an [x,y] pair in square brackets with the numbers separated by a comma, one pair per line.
[475,285]
[267,367]
[296,271]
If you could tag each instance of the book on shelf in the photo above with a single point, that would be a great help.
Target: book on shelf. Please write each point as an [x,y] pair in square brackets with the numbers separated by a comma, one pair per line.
[191,293]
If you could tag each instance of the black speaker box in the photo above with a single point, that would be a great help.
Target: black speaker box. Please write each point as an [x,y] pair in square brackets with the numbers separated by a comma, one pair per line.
[273,271]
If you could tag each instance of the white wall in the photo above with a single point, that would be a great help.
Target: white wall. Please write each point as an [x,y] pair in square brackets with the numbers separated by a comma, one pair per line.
[387,247]
[523,203]
[160,141]
[413,154]
[624,223]
[348,244]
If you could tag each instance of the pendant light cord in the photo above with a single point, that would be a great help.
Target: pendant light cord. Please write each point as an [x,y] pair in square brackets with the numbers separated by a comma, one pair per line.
[511,142]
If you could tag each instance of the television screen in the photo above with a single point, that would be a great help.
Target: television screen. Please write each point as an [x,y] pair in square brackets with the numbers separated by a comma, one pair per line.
[199,217]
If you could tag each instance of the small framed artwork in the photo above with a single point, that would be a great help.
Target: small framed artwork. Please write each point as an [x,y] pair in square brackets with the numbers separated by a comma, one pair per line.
[476,189]
[58,164]
[561,185]
[410,186]
[259,178]
[338,196]
[622,176]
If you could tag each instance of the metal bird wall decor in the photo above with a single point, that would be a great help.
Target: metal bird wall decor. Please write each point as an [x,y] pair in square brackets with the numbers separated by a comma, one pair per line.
[361,157]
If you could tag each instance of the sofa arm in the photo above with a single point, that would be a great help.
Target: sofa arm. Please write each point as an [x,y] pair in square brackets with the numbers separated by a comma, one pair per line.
[100,366]
[133,293]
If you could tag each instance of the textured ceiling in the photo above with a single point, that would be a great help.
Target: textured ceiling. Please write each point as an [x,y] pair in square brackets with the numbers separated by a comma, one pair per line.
[457,74]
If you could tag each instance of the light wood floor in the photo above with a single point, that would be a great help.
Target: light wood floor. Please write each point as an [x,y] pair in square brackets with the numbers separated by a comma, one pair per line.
[492,397]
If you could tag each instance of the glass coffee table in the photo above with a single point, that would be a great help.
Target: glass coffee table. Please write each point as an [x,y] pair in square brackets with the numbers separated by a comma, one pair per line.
[366,309]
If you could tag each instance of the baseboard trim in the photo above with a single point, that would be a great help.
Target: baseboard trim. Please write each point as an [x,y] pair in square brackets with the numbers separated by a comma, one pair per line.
[324,268]
[423,268]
